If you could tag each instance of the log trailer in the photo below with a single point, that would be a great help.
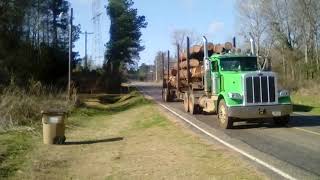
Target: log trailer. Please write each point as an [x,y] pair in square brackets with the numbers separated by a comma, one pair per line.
[230,85]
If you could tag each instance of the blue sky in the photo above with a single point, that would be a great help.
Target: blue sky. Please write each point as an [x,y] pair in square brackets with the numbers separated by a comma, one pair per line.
[213,18]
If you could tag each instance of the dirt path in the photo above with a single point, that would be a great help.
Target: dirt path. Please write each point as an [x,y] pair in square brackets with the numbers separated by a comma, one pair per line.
[131,140]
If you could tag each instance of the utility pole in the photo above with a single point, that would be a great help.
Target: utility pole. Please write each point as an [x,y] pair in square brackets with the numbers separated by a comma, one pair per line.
[156,64]
[162,55]
[70,55]
[168,65]
[86,49]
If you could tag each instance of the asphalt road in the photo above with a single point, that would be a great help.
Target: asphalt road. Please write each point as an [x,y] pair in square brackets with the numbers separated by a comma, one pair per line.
[294,150]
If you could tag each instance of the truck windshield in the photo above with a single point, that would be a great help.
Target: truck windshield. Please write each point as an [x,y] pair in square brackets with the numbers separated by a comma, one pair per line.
[239,64]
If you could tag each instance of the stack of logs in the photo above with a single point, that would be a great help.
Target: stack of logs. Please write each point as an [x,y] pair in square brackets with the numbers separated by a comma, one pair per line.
[195,64]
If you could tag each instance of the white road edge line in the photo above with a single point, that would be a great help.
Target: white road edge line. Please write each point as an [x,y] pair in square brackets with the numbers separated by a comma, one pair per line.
[302,129]
[301,114]
[261,162]
[274,169]
[307,131]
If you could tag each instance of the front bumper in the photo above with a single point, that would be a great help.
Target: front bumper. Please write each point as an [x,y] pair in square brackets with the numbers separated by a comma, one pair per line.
[253,112]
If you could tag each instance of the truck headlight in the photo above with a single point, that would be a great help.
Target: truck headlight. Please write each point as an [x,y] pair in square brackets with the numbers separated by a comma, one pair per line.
[284,93]
[235,96]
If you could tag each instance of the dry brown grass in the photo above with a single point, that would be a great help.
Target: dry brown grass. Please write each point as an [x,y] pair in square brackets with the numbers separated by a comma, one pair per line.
[313,89]
[22,106]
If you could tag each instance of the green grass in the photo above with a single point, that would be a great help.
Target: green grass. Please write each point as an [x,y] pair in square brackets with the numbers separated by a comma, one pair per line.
[119,103]
[100,107]
[155,120]
[306,103]
[13,147]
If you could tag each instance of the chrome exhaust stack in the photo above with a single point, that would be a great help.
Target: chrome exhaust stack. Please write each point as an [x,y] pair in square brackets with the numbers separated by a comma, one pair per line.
[207,74]
[234,42]
[252,46]
[205,47]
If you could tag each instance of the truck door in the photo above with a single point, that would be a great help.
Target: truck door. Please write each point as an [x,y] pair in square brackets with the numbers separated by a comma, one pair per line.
[215,78]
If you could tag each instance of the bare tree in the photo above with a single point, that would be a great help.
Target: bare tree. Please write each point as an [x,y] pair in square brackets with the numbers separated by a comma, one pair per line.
[253,23]
[179,37]
[286,30]
[158,66]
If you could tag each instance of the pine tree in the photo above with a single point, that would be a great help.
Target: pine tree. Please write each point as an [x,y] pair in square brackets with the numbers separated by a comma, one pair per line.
[125,40]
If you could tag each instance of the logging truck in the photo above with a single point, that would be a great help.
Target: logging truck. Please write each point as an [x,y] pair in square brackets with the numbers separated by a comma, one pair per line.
[220,79]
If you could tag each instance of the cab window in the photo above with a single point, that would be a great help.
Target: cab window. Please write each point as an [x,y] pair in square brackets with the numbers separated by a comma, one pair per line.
[239,64]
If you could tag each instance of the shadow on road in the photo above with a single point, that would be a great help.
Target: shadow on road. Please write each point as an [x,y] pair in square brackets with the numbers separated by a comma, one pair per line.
[267,123]
[94,141]
[305,121]
[296,121]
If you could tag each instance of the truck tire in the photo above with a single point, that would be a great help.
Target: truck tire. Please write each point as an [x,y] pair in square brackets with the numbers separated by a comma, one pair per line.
[225,121]
[186,101]
[192,105]
[281,121]
[162,94]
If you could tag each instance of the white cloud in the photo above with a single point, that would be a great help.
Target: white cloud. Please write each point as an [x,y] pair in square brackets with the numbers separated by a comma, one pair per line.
[215,27]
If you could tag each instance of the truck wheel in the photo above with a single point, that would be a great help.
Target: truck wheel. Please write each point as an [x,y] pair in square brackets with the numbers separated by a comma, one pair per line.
[186,102]
[162,94]
[281,121]
[192,105]
[225,121]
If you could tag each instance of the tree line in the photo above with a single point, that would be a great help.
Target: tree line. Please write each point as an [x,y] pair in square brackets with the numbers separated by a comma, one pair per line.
[285,31]
[34,40]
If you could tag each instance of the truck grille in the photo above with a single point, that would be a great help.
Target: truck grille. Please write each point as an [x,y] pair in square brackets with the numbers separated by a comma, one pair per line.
[260,89]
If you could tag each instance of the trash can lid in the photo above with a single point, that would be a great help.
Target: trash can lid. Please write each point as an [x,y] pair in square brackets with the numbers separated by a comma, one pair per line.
[53,112]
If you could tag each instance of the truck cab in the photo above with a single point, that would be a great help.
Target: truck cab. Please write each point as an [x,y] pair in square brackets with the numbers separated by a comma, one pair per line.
[240,91]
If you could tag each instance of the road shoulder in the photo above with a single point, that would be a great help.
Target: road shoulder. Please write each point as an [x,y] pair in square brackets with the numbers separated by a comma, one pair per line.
[137,142]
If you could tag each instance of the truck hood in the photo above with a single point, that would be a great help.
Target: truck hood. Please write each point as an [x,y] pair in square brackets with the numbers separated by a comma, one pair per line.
[232,82]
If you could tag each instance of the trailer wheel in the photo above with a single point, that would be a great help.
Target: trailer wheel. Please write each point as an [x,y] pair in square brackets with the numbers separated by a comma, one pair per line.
[186,101]
[225,121]
[192,105]
[166,95]
[163,94]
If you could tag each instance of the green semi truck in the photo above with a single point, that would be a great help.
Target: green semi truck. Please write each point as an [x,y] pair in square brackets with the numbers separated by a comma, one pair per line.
[233,87]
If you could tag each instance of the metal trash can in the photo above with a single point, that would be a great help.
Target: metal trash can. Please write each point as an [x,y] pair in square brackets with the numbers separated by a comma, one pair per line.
[53,127]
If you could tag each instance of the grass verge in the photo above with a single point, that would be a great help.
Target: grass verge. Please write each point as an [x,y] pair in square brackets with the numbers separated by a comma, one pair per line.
[306,103]
[128,138]
[13,147]
[307,99]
